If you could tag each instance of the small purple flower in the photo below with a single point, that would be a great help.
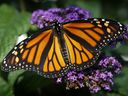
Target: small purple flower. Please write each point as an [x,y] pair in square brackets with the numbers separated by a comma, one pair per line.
[83,14]
[80,75]
[81,85]
[94,89]
[36,16]
[59,80]
[72,78]
[106,86]
[103,76]
[110,74]
[71,73]
[72,16]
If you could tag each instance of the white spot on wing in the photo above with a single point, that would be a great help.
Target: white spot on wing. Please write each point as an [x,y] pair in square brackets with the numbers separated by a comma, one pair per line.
[4,62]
[103,19]
[21,38]
[15,47]
[107,21]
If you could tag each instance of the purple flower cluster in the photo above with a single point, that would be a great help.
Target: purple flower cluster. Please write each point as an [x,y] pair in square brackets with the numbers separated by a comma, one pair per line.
[110,63]
[73,79]
[100,80]
[42,18]
[95,79]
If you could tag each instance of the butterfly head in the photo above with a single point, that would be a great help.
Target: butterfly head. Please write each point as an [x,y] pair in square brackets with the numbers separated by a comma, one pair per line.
[56,26]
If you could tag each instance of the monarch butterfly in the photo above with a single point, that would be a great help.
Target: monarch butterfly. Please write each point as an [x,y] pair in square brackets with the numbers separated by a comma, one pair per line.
[61,47]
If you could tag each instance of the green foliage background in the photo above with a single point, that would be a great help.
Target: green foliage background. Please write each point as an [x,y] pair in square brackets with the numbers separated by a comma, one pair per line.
[14,20]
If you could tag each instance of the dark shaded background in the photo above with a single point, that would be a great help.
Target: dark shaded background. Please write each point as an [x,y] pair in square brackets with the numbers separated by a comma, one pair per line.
[14,20]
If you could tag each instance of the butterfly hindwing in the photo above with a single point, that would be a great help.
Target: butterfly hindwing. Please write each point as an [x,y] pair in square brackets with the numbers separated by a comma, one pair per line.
[54,62]
[80,57]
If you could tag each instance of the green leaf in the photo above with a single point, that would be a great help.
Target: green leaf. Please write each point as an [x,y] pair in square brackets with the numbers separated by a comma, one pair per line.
[93,6]
[123,50]
[121,82]
[12,24]
[31,81]
[5,88]
[90,6]
[13,76]
[113,94]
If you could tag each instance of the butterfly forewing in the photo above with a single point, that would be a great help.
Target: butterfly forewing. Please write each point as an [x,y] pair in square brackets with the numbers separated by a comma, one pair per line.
[40,53]
[86,38]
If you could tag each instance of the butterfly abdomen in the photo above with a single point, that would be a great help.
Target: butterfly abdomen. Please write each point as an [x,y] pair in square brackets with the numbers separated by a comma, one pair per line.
[59,34]
[65,55]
